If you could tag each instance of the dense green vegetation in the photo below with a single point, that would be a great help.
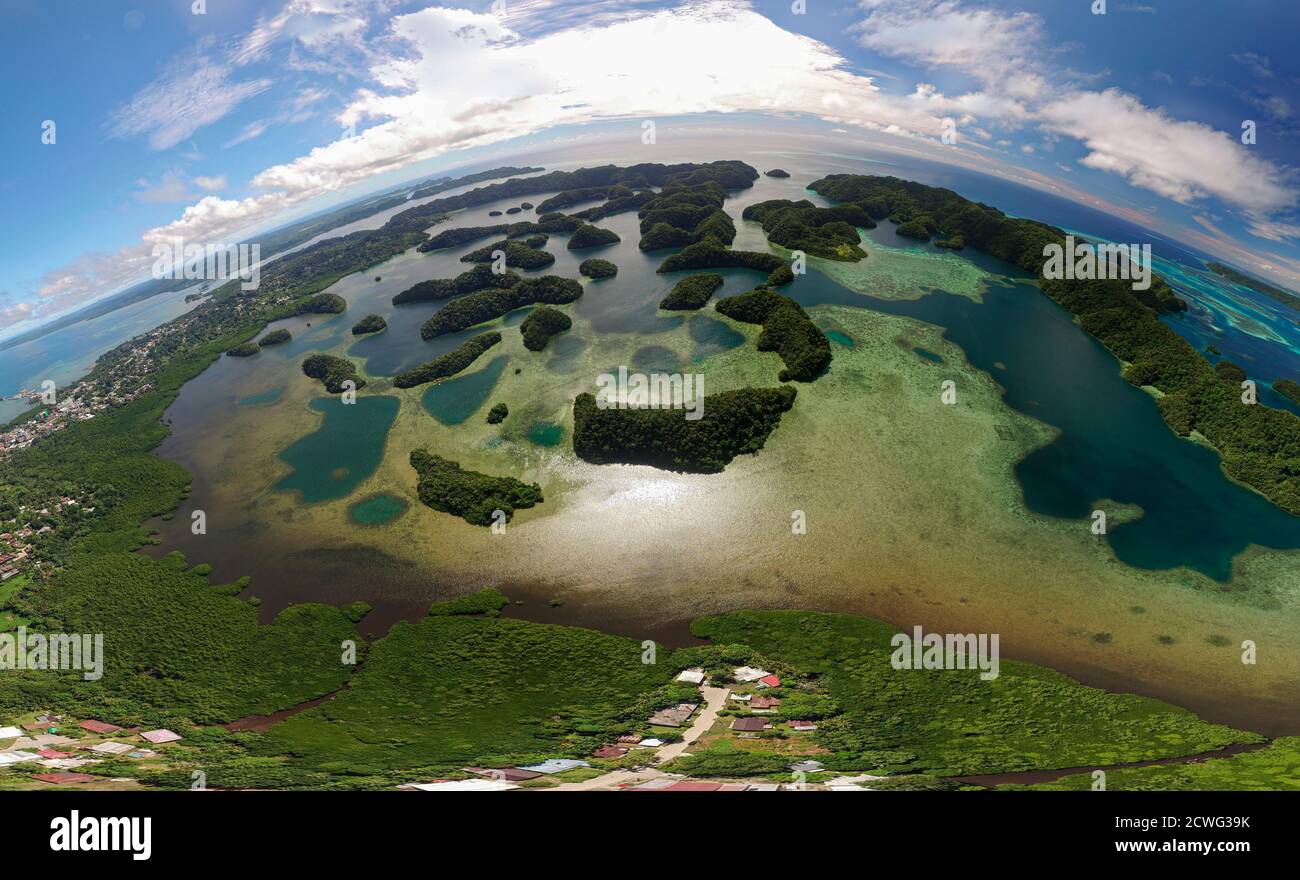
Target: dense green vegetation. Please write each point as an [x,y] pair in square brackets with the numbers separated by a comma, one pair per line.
[497,414]
[518,254]
[1288,389]
[1274,768]
[688,208]
[332,371]
[582,194]
[453,690]
[1277,293]
[323,304]
[733,423]
[588,236]
[488,304]
[778,172]
[243,350]
[822,232]
[541,324]
[444,485]
[617,204]
[479,278]
[951,722]
[1259,445]
[448,364]
[692,292]
[727,173]
[275,337]
[549,223]
[1230,372]
[594,267]
[709,254]
[787,330]
[369,324]
[176,647]
[914,229]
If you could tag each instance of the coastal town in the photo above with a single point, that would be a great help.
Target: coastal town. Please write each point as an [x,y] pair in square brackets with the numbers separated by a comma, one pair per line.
[50,750]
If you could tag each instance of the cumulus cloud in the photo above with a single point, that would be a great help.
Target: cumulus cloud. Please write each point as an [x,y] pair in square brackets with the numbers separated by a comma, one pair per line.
[996,47]
[211,184]
[14,313]
[1177,159]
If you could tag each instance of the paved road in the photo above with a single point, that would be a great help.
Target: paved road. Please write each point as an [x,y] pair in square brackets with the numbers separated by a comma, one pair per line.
[714,699]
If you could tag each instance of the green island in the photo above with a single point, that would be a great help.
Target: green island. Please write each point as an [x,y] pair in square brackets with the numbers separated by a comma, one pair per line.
[541,324]
[1259,445]
[596,268]
[709,254]
[915,228]
[243,350]
[369,324]
[544,225]
[787,330]
[1289,389]
[497,414]
[480,277]
[486,305]
[333,372]
[588,236]
[692,292]
[688,207]
[777,172]
[444,485]
[323,304]
[570,197]
[1270,290]
[733,423]
[518,255]
[830,233]
[275,337]
[448,364]
[617,204]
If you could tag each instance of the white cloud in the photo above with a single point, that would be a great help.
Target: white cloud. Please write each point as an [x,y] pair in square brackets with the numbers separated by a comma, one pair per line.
[15,313]
[171,188]
[1177,159]
[211,184]
[995,47]
[191,94]
[317,24]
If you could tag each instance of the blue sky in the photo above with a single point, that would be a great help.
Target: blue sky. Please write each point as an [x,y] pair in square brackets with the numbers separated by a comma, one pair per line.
[213,125]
